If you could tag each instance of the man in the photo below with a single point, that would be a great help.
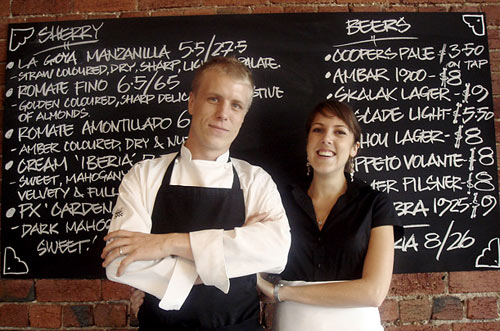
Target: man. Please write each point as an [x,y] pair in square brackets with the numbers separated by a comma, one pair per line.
[191,229]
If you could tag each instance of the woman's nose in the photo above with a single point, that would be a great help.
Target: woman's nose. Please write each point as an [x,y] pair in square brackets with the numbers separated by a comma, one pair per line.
[327,138]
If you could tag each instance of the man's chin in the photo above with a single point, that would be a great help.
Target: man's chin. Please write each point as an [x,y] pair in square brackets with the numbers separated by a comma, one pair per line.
[219,147]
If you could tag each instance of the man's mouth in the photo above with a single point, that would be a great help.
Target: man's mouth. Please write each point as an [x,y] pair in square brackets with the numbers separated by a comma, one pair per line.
[218,127]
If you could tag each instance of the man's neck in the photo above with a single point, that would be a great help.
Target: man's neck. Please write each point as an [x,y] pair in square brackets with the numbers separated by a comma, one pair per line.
[205,155]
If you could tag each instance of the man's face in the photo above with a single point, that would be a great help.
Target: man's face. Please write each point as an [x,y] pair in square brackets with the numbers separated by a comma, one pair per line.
[218,109]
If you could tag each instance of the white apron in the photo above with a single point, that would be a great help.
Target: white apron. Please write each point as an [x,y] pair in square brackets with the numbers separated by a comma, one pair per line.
[293,316]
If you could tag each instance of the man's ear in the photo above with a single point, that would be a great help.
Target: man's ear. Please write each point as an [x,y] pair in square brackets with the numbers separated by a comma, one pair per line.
[191,103]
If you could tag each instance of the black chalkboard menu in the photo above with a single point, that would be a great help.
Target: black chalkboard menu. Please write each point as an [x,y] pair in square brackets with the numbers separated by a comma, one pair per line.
[85,100]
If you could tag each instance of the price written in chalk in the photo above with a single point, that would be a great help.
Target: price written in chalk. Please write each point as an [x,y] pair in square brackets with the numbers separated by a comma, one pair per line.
[211,48]
[449,241]
[142,84]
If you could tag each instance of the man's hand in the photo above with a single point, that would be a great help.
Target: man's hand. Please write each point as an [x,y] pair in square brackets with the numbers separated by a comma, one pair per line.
[136,301]
[135,246]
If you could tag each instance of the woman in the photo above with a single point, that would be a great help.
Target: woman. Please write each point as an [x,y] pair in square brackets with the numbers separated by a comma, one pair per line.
[340,263]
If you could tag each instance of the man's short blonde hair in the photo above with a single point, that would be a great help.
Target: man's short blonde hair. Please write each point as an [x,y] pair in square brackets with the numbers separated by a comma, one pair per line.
[229,65]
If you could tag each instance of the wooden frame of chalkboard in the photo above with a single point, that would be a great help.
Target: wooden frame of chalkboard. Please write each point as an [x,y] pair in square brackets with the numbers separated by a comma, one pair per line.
[87,99]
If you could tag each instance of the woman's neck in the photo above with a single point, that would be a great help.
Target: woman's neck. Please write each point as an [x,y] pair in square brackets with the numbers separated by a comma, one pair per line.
[324,192]
[327,187]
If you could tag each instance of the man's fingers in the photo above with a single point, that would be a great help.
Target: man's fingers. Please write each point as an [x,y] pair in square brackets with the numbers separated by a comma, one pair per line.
[136,301]
[113,245]
[123,265]
[133,246]
[110,256]
[137,295]
[116,234]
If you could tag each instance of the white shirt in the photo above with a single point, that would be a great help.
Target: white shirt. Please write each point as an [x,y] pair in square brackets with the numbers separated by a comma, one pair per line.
[218,254]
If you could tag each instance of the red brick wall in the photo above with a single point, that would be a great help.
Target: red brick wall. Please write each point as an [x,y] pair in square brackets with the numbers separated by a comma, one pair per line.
[455,301]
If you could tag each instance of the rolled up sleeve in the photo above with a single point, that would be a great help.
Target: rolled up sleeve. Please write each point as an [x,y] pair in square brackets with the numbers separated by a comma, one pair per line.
[208,253]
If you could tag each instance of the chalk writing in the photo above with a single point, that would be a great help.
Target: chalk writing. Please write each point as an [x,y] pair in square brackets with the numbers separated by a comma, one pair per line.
[85,100]
[421,93]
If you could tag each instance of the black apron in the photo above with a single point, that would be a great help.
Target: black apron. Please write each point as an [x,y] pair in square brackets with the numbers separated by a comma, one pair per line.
[184,209]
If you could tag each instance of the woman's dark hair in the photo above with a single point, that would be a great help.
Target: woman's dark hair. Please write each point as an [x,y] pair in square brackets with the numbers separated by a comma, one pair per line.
[331,108]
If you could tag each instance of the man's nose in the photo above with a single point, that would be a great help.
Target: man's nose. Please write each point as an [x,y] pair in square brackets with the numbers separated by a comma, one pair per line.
[222,111]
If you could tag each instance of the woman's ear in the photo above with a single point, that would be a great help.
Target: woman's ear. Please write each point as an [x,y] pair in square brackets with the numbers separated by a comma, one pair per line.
[354,149]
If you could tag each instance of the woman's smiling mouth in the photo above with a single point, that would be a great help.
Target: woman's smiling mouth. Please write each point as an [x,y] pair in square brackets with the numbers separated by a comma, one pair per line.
[326,153]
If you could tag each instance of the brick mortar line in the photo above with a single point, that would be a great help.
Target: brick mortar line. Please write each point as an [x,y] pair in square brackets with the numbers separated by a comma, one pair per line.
[460,295]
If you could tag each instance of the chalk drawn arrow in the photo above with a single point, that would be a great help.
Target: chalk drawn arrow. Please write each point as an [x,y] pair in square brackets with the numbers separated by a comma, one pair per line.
[12,265]
[475,22]
[19,37]
[490,256]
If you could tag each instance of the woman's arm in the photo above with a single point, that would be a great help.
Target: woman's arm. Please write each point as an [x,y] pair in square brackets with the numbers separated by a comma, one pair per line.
[369,291]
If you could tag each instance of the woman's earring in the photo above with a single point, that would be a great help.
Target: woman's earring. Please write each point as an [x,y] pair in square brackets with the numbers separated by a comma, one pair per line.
[308,166]
[351,169]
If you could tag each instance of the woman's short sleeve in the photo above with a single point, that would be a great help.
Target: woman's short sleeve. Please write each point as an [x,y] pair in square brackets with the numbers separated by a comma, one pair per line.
[384,213]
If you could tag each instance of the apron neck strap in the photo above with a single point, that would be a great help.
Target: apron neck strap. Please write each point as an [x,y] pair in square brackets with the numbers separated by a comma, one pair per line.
[168,173]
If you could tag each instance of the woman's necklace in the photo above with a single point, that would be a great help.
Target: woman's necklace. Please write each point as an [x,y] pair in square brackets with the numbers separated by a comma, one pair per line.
[323,206]
[321,213]
[320,222]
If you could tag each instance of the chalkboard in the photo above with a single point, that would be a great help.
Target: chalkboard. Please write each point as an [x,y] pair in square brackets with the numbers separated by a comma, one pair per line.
[85,100]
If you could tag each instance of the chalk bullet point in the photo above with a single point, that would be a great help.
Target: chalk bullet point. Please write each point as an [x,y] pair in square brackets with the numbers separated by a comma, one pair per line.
[8,134]
[9,93]
[10,65]
[8,165]
[10,212]
[329,96]
[328,57]
[328,75]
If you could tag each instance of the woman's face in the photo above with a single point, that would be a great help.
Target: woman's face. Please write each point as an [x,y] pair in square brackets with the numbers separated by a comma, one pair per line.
[330,143]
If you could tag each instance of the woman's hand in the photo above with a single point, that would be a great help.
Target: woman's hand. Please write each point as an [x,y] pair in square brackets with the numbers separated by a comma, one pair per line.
[136,301]
[266,289]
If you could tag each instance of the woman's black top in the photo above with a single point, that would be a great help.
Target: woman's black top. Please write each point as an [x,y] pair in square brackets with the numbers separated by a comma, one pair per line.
[337,252]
